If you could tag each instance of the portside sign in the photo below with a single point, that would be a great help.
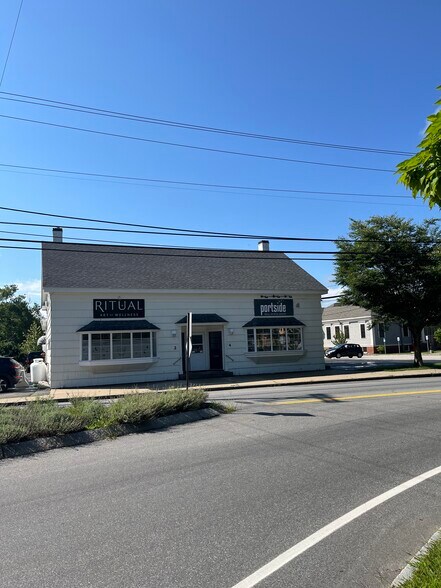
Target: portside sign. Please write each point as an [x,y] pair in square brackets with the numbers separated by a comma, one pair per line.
[273,307]
[118,308]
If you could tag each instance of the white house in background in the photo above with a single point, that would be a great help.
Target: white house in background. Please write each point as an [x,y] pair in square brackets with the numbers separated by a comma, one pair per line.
[356,324]
[116,314]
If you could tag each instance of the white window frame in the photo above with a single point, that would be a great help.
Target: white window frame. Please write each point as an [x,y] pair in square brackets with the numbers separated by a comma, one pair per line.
[272,351]
[131,359]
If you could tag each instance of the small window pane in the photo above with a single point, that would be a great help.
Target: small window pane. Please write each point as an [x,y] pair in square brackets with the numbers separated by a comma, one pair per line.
[141,345]
[100,346]
[121,346]
[294,339]
[153,335]
[84,347]
[328,333]
[250,336]
[363,331]
[263,339]
[346,328]
[279,339]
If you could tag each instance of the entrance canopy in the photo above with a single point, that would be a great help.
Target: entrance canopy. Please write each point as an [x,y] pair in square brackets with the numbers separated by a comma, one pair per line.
[203,319]
[268,321]
[100,326]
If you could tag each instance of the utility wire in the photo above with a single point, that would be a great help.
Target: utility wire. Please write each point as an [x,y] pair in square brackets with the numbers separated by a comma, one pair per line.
[221,192]
[155,229]
[199,184]
[38,101]
[11,42]
[211,253]
[194,147]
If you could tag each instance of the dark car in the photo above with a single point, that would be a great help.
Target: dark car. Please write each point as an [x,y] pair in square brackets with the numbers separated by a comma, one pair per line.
[10,373]
[345,350]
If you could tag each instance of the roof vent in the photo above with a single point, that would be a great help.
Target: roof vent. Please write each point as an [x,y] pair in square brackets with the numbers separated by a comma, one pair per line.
[57,235]
[263,245]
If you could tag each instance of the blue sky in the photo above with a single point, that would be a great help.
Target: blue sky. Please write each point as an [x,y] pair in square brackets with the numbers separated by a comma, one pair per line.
[348,72]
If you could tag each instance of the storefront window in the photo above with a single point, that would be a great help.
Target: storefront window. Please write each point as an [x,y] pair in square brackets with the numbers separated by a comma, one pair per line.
[100,346]
[295,339]
[120,345]
[84,347]
[108,346]
[275,339]
[251,340]
[263,339]
[141,345]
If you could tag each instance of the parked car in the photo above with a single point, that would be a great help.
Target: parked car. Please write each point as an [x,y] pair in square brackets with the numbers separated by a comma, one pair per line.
[345,350]
[10,373]
[30,358]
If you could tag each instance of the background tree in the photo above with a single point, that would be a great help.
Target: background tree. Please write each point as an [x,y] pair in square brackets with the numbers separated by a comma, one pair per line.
[30,342]
[392,267]
[16,317]
[339,338]
[437,335]
[422,172]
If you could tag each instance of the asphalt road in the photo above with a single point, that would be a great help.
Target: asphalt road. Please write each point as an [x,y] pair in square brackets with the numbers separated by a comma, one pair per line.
[207,504]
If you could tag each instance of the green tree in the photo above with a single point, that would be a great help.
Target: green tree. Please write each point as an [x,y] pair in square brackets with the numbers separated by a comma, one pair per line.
[339,338]
[16,317]
[30,342]
[422,172]
[392,267]
[437,335]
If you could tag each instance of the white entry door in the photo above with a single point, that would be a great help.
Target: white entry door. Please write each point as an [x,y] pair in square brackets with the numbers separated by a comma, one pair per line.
[199,354]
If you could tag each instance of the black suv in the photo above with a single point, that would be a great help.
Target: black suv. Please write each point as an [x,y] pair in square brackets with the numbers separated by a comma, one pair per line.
[10,373]
[345,350]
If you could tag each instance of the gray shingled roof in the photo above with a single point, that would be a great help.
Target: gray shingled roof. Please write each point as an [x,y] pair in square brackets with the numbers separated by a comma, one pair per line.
[342,312]
[68,265]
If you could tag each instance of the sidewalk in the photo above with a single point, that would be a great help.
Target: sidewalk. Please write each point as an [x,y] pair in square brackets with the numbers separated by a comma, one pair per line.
[217,384]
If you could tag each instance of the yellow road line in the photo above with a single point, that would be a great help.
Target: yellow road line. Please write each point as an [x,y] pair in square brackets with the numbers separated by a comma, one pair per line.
[357,397]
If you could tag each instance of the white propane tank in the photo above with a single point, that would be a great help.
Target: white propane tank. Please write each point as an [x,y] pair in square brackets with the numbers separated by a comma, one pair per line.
[38,370]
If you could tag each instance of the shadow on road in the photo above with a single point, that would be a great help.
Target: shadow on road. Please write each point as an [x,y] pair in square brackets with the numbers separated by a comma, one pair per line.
[286,414]
[324,397]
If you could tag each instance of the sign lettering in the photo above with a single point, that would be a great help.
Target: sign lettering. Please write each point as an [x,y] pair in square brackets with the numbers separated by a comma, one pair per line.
[273,307]
[118,308]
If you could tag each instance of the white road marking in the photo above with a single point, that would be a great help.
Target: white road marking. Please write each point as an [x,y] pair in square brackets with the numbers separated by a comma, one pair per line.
[324,532]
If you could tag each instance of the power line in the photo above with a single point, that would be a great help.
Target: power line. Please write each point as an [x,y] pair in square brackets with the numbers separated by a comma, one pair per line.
[220,192]
[197,252]
[174,231]
[200,184]
[195,147]
[151,254]
[38,101]
[11,42]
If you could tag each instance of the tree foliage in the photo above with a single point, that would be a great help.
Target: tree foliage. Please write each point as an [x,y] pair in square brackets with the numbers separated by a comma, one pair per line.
[30,342]
[392,267]
[422,172]
[16,318]
[339,338]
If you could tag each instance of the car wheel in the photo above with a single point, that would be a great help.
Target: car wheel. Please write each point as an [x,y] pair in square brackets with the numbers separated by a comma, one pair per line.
[350,356]
[338,355]
[359,355]
[4,384]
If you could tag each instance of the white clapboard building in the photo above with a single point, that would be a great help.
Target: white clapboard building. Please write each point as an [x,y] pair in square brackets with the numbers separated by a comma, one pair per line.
[117,314]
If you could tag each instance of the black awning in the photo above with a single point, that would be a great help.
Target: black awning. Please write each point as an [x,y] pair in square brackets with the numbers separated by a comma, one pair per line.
[138,325]
[268,321]
[200,319]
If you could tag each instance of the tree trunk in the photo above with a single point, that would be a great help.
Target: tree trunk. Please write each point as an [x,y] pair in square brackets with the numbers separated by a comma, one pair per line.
[416,336]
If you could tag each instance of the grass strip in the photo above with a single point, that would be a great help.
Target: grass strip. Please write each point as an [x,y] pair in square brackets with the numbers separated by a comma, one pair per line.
[45,418]
[427,572]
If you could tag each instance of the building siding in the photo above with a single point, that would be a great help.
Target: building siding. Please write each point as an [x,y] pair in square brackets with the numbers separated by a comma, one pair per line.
[71,311]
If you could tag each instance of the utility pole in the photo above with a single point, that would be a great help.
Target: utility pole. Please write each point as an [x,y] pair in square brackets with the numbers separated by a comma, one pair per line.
[188,347]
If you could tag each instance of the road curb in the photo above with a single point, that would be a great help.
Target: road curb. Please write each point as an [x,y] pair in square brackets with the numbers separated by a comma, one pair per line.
[325,380]
[409,570]
[23,448]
